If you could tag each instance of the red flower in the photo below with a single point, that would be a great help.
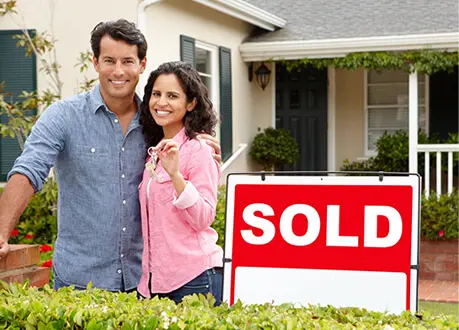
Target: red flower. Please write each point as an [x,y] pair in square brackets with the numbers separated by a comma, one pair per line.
[441,233]
[29,236]
[48,263]
[45,248]
[15,232]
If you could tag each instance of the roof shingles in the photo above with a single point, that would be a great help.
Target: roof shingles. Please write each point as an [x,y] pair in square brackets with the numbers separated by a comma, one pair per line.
[330,19]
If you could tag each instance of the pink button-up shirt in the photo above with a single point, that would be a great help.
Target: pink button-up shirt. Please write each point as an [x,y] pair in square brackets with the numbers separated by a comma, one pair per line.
[178,241]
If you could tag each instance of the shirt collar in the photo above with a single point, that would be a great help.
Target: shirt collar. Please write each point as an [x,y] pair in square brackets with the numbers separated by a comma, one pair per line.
[98,103]
[180,137]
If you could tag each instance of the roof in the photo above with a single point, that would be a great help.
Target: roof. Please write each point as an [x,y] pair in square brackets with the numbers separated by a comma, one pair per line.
[339,19]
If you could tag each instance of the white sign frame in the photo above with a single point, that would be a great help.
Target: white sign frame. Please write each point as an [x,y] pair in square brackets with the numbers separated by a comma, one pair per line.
[380,179]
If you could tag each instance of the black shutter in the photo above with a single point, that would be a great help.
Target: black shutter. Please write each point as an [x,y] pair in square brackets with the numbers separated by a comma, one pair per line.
[19,73]
[226,103]
[187,50]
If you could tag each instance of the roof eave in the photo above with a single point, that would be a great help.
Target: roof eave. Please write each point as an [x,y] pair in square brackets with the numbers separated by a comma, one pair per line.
[329,48]
[246,12]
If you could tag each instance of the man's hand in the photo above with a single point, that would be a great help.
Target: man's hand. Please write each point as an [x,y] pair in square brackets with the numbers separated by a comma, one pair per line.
[213,142]
[4,248]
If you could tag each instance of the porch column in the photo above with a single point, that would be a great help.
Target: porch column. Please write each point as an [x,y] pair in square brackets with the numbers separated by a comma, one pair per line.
[413,123]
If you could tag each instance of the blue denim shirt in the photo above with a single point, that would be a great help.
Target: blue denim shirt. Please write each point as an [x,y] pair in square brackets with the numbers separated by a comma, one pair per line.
[98,171]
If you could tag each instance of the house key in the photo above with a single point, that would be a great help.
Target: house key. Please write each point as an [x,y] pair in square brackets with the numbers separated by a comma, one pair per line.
[151,165]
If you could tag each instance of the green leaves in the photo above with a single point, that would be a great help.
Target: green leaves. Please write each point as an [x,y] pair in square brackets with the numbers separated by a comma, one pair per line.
[439,216]
[424,61]
[273,148]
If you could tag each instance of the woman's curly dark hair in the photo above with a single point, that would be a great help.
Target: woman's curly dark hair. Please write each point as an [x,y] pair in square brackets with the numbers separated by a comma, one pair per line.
[202,119]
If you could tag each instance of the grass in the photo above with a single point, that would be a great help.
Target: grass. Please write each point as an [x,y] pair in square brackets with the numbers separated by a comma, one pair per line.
[436,308]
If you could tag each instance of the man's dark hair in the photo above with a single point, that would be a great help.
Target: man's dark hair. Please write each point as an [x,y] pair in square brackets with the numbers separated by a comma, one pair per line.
[119,30]
[202,119]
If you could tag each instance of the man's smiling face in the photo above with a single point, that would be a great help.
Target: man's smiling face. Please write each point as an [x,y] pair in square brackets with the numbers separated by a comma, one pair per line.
[119,68]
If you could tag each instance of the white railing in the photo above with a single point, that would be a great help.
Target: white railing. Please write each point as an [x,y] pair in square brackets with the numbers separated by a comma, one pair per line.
[233,157]
[438,149]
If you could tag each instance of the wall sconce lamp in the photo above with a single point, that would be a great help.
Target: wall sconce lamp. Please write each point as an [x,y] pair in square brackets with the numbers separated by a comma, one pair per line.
[263,75]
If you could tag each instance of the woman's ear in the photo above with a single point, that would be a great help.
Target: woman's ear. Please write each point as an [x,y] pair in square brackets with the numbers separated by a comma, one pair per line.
[190,106]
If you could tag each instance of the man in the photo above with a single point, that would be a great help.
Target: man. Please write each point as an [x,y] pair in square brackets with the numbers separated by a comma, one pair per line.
[95,143]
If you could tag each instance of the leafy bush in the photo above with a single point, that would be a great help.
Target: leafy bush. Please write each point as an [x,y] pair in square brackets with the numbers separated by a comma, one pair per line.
[38,223]
[273,148]
[393,154]
[29,308]
[440,217]
[219,221]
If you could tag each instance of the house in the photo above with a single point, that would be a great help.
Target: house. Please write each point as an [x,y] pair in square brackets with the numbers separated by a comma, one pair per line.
[333,113]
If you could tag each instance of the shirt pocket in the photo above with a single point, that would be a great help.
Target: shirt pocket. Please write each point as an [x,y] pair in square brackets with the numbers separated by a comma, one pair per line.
[93,163]
[164,190]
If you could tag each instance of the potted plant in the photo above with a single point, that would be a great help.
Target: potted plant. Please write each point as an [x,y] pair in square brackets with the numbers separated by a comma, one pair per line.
[273,148]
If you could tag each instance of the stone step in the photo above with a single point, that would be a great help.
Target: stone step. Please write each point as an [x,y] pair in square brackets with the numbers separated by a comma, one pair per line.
[20,256]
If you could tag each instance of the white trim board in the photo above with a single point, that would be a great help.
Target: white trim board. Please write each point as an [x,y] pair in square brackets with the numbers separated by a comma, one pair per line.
[329,48]
[245,12]
[331,120]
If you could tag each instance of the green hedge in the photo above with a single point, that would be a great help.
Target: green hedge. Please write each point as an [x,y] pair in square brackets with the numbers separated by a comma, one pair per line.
[440,216]
[393,155]
[28,308]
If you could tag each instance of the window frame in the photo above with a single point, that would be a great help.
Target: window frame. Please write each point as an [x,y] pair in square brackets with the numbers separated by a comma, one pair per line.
[214,76]
[372,152]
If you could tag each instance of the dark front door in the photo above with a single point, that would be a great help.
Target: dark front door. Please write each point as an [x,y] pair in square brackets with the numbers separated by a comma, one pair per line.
[301,109]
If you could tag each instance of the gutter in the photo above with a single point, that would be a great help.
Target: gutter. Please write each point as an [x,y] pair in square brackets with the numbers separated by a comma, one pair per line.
[142,26]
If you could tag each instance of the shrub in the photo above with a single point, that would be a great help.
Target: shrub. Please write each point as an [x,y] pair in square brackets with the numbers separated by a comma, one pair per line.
[273,148]
[440,217]
[30,308]
[219,221]
[393,154]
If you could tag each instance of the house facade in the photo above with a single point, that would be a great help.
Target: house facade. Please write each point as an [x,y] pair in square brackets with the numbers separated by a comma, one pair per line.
[334,114]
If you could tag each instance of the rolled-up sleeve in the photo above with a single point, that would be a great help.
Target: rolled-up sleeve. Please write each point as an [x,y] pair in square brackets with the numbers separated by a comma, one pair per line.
[198,200]
[42,146]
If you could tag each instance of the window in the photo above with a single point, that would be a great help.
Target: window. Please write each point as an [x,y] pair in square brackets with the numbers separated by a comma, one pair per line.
[206,58]
[386,105]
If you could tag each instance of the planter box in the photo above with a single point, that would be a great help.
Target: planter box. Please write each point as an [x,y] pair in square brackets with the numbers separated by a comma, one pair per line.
[439,260]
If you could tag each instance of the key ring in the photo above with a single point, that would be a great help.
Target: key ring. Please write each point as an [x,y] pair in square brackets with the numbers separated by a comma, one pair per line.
[151,165]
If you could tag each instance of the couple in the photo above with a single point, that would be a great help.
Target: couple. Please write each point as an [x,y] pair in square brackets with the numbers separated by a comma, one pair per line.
[127,169]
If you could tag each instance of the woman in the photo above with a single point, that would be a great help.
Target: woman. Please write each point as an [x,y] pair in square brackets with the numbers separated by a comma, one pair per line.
[178,194]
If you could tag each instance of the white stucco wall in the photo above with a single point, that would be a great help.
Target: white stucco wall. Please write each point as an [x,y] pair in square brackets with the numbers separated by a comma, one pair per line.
[350,122]
[71,22]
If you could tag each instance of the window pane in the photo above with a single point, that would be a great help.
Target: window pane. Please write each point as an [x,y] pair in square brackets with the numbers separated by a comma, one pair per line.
[203,60]
[387,76]
[208,82]
[393,94]
[388,118]
[388,94]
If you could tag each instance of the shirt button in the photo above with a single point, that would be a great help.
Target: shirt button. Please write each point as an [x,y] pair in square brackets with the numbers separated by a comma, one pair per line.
[124,229]
[116,121]
[122,149]
[122,176]
[124,202]
[93,150]
[119,271]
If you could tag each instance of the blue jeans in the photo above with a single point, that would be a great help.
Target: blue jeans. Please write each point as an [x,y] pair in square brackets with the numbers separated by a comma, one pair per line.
[210,280]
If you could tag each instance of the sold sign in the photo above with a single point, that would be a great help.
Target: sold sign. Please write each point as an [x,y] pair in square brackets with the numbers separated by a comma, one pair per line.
[345,241]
